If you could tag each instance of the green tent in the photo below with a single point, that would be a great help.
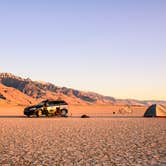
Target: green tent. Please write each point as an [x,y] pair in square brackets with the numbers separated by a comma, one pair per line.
[156,110]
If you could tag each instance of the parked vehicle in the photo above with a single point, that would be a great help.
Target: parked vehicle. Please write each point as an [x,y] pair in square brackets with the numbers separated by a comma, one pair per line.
[48,108]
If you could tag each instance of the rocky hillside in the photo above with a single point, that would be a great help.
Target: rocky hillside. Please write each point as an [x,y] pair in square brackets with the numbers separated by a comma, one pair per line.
[25,91]
[39,91]
[9,95]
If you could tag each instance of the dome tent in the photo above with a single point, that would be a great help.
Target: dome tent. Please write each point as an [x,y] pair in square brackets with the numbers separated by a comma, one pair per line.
[156,110]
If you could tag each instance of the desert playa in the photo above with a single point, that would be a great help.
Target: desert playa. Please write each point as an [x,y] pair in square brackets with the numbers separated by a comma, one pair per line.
[98,140]
[83,83]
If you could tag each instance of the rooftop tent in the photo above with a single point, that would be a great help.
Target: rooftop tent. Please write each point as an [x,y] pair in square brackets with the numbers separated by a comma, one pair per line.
[156,110]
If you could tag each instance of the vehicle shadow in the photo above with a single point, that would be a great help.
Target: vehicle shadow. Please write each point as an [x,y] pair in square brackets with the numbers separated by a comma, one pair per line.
[55,117]
[12,116]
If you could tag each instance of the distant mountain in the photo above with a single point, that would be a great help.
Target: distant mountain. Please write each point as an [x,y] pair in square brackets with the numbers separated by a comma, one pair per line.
[150,102]
[25,91]
[41,90]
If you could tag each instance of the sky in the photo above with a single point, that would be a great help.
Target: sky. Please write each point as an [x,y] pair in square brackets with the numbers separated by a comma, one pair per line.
[112,47]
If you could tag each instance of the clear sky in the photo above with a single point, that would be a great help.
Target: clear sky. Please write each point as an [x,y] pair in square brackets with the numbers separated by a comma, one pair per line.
[113,47]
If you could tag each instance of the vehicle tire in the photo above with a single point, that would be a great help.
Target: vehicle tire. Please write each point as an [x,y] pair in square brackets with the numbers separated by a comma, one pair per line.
[64,113]
[39,113]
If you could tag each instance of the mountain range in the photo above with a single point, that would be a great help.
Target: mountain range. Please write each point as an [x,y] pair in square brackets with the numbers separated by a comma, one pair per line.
[24,91]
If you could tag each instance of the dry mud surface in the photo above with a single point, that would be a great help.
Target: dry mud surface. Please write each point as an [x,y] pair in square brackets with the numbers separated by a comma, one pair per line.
[75,141]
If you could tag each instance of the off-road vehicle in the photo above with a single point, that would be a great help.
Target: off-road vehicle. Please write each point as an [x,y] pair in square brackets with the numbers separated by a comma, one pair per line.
[48,108]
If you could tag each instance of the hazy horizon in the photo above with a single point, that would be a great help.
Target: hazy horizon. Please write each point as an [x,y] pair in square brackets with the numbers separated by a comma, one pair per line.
[115,48]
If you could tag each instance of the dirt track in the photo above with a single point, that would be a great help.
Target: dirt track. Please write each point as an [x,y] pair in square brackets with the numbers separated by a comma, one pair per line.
[51,141]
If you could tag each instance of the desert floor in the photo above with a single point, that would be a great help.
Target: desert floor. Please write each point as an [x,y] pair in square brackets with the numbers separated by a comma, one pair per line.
[99,140]
[75,111]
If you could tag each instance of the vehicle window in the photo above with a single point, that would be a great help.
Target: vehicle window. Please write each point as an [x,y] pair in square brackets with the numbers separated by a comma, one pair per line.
[60,103]
[51,103]
[56,102]
[40,104]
